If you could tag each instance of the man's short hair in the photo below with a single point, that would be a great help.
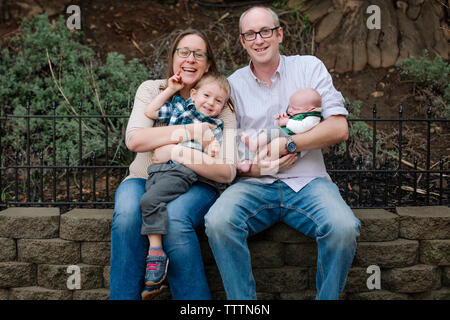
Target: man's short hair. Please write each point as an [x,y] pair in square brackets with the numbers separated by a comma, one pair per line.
[276,21]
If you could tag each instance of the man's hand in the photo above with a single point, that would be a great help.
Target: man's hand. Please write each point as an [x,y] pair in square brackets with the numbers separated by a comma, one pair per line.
[272,158]
[270,167]
[273,150]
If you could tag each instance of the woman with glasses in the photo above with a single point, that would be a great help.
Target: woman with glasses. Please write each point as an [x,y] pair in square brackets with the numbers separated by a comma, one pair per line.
[190,57]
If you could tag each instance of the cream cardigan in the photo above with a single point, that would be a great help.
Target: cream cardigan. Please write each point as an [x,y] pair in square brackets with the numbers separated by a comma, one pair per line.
[144,95]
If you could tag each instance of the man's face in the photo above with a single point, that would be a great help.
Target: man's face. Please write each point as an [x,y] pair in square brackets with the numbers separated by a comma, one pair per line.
[261,50]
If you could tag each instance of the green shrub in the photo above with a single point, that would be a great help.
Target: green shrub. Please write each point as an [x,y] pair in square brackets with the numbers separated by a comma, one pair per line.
[432,79]
[49,65]
[360,134]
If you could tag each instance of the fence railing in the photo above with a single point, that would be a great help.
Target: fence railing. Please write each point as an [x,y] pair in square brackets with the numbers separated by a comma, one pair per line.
[373,169]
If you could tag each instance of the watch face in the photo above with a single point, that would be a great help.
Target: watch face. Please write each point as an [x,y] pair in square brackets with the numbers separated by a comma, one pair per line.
[291,147]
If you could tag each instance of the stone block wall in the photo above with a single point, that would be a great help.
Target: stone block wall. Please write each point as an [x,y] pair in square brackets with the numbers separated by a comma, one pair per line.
[411,247]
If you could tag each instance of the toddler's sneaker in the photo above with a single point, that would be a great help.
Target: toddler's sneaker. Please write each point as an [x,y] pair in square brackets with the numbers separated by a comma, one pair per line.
[156,269]
[150,292]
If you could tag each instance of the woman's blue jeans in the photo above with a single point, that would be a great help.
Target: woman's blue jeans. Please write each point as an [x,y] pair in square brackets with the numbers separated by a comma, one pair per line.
[129,248]
[317,210]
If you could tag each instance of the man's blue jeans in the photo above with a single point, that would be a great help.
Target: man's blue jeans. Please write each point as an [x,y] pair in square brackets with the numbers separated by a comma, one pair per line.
[129,248]
[317,210]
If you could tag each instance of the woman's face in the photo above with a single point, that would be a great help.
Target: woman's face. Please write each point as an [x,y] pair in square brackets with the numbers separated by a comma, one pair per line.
[191,70]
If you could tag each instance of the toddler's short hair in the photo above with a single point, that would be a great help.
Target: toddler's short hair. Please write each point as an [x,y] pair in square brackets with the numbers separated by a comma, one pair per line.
[220,79]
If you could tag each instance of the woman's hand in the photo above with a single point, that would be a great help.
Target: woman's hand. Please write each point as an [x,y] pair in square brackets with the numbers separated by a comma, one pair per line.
[162,154]
[213,148]
[202,133]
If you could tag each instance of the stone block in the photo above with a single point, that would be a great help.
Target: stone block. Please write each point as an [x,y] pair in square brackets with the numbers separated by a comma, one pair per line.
[418,278]
[17,274]
[29,223]
[446,276]
[208,257]
[265,296]
[96,252]
[93,294]
[106,275]
[440,294]
[436,252]
[356,280]
[301,295]
[7,249]
[214,278]
[377,225]
[266,254]
[301,254]
[51,251]
[377,295]
[38,293]
[285,279]
[281,232]
[86,225]
[56,276]
[424,222]
[219,295]
[4,294]
[389,254]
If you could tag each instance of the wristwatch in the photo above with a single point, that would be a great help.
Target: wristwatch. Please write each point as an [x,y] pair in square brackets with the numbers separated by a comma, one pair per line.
[291,147]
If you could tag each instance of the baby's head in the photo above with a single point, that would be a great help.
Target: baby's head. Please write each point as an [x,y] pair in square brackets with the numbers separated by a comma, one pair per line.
[210,94]
[304,100]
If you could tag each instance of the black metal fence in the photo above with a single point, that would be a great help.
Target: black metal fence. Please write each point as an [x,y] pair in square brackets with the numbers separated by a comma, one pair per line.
[383,175]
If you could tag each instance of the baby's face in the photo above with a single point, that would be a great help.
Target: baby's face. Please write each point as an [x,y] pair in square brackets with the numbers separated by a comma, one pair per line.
[301,102]
[209,99]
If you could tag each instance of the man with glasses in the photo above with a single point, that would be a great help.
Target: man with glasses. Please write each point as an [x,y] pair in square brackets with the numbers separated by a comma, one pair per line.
[278,187]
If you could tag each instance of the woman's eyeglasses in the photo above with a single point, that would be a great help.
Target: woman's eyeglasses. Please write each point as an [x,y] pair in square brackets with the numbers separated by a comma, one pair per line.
[186,52]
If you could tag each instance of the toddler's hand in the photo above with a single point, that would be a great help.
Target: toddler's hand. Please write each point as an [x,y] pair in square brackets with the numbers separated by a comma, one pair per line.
[176,82]
[282,119]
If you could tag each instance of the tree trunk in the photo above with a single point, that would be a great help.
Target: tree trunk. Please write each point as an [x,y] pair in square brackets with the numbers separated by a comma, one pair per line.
[345,42]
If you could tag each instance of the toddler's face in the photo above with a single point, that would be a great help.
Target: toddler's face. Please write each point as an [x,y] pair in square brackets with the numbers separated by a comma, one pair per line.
[209,99]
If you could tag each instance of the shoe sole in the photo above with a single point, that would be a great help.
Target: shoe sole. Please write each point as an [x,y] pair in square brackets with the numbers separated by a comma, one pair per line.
[149,295]
[151,283]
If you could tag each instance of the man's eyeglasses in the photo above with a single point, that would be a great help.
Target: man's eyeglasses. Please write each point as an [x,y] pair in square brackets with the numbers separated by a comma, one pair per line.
[186,52]
[264,33]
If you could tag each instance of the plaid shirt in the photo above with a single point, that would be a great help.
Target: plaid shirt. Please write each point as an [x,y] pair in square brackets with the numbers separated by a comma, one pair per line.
[180,111]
